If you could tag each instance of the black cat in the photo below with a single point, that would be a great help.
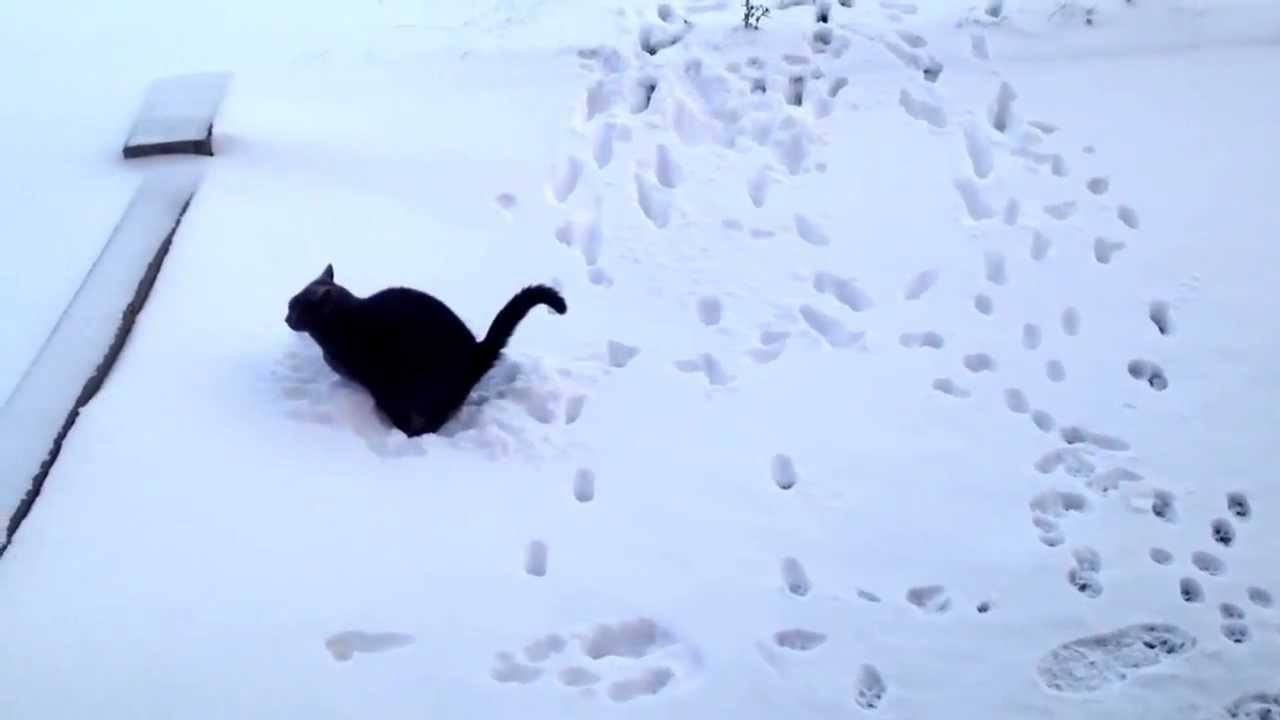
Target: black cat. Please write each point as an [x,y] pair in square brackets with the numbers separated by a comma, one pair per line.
[409,350]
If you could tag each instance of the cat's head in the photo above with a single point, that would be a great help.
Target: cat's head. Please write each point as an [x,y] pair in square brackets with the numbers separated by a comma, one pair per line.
[310,306]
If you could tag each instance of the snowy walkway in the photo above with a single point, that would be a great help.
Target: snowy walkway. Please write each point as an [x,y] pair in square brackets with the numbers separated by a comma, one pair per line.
[902,377]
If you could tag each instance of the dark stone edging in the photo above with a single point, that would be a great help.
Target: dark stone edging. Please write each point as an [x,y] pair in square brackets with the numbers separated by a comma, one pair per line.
[177,115]
[203,146]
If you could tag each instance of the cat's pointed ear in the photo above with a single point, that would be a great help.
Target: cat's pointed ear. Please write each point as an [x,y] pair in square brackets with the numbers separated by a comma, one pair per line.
[327,275]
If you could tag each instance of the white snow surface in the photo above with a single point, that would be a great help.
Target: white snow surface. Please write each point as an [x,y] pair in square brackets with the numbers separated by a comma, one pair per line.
[918,364]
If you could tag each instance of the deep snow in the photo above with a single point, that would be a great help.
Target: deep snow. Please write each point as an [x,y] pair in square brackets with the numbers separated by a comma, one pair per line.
[905,375]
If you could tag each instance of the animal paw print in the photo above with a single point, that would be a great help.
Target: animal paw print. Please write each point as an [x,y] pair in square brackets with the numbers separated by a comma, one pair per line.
[300,378]
[624,661]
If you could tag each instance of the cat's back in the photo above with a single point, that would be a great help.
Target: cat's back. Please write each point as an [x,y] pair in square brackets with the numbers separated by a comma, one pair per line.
[404,308]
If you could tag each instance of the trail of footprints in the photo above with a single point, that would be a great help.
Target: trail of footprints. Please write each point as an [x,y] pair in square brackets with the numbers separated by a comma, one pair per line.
[1051,508]
[1205,565]
[1002,120]
[870,687]
[1084,665]
[655,184]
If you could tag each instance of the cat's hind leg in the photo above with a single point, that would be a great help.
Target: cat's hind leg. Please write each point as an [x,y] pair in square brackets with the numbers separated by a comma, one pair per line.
[436,405]
[403,415]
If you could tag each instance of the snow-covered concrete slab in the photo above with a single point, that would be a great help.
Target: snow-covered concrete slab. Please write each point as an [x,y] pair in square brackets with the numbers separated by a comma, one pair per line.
[79,353]
[177,116]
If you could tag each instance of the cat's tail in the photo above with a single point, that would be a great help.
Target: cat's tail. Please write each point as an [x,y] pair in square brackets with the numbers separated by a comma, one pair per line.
[505,322]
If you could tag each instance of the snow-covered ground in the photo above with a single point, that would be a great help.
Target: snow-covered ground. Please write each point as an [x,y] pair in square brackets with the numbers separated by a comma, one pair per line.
[917,365]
